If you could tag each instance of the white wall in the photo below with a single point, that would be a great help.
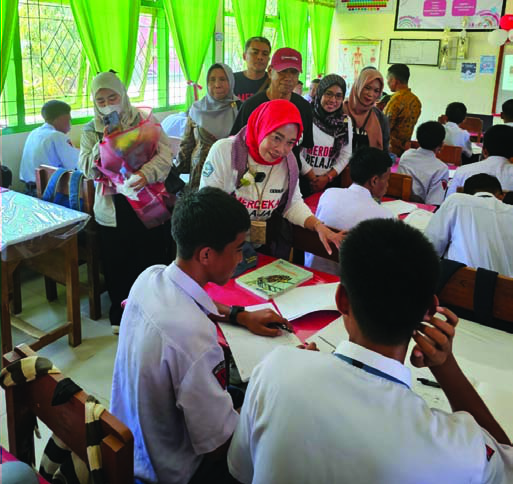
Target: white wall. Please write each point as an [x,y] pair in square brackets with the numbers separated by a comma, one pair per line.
[434,87]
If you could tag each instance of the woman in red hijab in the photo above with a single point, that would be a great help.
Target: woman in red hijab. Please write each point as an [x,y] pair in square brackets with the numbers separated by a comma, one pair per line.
[258,167]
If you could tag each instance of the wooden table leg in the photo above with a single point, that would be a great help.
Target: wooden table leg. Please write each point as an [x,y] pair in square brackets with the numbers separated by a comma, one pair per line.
[73,291]
[6,315]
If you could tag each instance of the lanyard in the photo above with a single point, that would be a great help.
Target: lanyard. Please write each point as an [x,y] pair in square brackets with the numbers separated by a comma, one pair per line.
[369,369]
[260,194]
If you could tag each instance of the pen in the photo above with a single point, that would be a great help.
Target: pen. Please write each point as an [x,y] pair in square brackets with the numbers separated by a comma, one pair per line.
[282,326]
[429,383]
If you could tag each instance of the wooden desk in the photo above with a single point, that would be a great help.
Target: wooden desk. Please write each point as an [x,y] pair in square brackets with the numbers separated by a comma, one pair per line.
[43,236]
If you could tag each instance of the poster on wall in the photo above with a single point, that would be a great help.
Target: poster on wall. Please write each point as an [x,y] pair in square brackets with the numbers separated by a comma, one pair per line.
[366,6]
[468,71]
[453,14]
[487,64]
[354,55]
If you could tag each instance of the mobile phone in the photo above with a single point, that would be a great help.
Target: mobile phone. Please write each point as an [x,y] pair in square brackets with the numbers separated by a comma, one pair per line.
[111,121]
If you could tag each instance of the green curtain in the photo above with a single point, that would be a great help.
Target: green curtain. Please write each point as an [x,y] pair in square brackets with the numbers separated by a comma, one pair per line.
[294,23]
[192,24]
[8,22]
[108,31]
[250,16]
[321,17]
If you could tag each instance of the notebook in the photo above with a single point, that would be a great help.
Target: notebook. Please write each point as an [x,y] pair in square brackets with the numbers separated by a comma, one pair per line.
[307,299]
[398,207]
[249,349]
[274,279]
[329,337]
[419,219]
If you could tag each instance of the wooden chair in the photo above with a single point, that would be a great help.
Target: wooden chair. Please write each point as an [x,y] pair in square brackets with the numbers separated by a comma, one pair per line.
[308,241]
[399,186]
[459,292]
[450,155]
[27,401]
[345,178]
[474,126]
[88,247]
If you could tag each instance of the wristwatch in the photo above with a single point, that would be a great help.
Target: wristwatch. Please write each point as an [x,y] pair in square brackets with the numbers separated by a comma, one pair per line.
[234,311]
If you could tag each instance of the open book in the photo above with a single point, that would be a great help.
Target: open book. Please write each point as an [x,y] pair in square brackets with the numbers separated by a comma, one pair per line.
[329,337]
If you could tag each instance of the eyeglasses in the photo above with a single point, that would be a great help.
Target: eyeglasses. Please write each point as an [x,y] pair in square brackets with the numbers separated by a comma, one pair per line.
[330,95]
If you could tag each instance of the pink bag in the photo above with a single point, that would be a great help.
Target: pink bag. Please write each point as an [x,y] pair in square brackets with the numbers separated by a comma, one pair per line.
[122,154]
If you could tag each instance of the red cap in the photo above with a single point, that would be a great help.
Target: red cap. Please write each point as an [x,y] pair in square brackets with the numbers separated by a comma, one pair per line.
[287,58]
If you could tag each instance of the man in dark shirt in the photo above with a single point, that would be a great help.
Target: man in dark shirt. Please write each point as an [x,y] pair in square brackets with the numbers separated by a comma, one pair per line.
[256,54]
[284,74]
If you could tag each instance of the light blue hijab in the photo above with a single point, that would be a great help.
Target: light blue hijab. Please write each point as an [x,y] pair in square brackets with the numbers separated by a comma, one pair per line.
[217,117]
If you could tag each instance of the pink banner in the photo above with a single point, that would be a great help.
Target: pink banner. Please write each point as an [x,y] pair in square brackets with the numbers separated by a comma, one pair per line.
[463,8]
[435,8]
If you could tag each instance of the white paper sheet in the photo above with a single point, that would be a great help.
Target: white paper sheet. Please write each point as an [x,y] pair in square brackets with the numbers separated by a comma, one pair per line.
[398,207]
[328,338]
[249,349]
[307,299]
[419,219]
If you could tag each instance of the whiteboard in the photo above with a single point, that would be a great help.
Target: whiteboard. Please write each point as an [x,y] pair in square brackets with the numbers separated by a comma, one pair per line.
[504,78]
[414,52]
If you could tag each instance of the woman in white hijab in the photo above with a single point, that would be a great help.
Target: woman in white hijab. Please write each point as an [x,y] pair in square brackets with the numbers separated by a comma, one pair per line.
[210,119]
[127,246]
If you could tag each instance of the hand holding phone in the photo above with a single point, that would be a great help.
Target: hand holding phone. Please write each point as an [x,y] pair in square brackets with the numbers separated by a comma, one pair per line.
[112,122]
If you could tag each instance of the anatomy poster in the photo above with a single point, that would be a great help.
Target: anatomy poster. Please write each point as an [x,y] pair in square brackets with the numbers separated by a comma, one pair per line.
[453,14]
[354,55]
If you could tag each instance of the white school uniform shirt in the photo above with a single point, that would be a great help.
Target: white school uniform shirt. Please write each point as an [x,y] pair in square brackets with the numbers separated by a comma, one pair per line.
[310,417]
[169,377]
[455,136]
[343,208]
[476,230]
[319,157]
[46,146]
[218,172]
[497,166]
[430,175]
[174,124]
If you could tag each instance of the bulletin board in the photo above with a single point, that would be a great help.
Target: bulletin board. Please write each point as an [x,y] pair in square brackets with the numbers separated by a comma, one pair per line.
[504,78]
[480,15]
[419,52]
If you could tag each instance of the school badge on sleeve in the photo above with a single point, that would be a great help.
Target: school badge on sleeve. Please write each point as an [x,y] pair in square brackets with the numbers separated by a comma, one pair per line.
[221,374]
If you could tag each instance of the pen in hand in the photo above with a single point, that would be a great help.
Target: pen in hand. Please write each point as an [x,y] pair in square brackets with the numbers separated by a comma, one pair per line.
[429,383]
[281,326]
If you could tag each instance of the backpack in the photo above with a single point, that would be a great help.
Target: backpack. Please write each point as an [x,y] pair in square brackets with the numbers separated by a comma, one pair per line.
[72,200]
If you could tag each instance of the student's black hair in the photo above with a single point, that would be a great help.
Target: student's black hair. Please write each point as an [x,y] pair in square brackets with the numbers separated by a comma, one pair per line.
[482,182]
[51,110]
[507,110]
[390,271]
[247,45]
[207,218]
[401,72]
[367,162]
[498,141]
[315,81]
[300,82]
[430,135]
[456,112]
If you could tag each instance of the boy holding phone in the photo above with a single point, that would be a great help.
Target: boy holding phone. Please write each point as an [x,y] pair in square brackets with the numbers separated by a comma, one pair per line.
[353,411]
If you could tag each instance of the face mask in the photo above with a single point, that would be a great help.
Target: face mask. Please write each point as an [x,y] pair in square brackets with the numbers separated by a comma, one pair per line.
[110,108]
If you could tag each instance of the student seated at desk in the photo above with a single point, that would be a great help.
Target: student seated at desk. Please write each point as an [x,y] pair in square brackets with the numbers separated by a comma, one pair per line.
[507,112]
[48,144]
[430,175]
[351,416]
[497,151]
[343,208]
[475,227]
[454,135]
[170,380]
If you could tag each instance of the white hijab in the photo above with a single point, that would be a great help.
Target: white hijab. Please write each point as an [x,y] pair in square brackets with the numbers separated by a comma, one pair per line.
[217,117]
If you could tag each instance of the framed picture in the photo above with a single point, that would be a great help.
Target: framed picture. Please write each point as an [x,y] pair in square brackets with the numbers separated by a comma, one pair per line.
[354,55]
[418,52]
[475,15]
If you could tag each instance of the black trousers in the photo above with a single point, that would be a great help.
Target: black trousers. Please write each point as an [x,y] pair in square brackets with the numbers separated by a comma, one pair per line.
[127,250]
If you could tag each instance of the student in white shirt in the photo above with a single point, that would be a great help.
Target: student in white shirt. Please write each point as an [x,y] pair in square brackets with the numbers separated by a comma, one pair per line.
[497,151]
[475,227]
[48,144]
[343,208]
[170,379]
[454,135]
[259,168]
[507,112]
[351,416]
[430,175]
[322,164]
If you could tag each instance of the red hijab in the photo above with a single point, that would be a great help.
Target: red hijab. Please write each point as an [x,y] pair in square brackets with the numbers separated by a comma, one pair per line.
[267,118]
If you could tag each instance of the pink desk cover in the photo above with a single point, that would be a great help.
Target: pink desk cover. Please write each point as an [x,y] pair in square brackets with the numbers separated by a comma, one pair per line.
[232,293]
[8,457]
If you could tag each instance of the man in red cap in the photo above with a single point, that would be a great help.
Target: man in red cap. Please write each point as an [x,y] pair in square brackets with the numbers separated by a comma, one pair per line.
[284,75]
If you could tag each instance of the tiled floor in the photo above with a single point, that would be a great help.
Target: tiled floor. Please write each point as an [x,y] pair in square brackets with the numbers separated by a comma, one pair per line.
[90,364]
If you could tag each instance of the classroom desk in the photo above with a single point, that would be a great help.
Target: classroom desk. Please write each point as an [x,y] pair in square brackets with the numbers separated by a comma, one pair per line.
[313,201]
[485,354]
[6,456]
[42,236]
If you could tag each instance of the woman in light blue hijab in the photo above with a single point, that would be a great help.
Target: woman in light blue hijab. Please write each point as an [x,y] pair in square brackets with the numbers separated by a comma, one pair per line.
[211,118]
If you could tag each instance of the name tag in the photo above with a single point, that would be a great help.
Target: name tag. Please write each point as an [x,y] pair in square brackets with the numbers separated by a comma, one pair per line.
[257,232]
